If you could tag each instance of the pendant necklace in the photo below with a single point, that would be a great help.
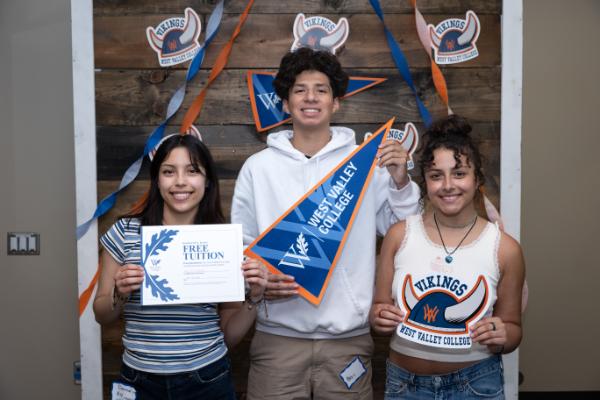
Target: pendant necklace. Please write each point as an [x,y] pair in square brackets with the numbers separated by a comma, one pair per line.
[449,257]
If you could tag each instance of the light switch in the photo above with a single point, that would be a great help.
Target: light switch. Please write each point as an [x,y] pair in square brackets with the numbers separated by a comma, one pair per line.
[23,244]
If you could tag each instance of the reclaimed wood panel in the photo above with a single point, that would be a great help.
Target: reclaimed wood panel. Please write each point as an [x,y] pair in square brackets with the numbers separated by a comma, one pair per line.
[137,7]
[120,41]
[130,98]
[230,145]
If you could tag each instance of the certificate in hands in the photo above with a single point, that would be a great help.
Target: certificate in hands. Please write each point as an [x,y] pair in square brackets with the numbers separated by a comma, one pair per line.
[192,264]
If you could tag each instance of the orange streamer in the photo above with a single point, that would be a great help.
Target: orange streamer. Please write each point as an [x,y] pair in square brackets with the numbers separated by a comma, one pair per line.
[84,299]
[220,62]
[438,78]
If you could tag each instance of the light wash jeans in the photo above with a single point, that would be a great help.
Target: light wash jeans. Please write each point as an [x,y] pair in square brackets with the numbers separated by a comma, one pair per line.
[484,380]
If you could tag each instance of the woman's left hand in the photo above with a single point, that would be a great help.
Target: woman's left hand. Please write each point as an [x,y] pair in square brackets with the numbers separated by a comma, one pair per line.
[490,332]
[255,273]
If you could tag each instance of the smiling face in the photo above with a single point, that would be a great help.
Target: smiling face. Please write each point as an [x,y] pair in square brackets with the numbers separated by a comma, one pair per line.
[451,186]
[310,102]
[181,185]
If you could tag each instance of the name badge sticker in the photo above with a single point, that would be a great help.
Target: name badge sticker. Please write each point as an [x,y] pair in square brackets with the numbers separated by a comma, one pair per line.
[353,372]
[121,391]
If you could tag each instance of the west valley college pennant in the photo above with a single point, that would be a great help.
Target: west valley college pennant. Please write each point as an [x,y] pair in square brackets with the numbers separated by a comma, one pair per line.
[307,240]
[267,107]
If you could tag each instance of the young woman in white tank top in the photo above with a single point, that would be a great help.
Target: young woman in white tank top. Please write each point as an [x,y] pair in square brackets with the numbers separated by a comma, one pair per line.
[449,282]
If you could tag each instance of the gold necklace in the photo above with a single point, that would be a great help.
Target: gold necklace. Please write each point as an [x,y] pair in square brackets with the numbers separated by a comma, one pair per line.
[449,257]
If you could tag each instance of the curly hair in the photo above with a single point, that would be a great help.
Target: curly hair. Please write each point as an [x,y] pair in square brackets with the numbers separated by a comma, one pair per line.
[306,59]
[452,133]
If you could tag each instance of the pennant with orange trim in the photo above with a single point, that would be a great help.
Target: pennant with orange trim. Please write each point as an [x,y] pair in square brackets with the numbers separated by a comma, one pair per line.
[267,107]
[307,240]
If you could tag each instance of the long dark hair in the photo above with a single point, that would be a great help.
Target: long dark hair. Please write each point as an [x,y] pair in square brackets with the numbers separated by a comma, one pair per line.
[209,210]
[452,133]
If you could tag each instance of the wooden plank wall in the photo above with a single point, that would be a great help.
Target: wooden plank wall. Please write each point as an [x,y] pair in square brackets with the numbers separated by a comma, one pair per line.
[132,93]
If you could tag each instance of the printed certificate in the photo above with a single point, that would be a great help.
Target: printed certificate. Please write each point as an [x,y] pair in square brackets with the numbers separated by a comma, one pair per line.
[192,264]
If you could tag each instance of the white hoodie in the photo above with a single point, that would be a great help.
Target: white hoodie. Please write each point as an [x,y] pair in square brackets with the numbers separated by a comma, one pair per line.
[270,182]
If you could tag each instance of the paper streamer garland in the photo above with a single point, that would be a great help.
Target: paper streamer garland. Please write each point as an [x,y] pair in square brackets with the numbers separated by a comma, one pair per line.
[132,172]
[401,63]
[196,106]
[438,78]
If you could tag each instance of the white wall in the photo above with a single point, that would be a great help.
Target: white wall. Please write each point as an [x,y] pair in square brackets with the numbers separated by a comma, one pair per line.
[39,338]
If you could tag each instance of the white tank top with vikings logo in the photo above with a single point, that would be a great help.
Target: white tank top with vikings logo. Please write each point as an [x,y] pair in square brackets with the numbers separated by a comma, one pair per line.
[442,300]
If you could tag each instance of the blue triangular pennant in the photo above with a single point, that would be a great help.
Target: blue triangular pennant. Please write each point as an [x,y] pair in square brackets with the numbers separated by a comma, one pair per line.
[308,238]
[267,107]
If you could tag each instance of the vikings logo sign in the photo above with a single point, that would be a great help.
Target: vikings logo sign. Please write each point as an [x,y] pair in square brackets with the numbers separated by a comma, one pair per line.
[453,40]
[408,138]
[319,33]
[175,40]
[442,314]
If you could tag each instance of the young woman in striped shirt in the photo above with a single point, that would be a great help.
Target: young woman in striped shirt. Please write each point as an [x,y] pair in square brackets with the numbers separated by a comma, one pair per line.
[173,351]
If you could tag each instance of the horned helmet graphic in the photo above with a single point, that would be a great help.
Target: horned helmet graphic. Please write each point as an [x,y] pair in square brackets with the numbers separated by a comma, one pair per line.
[176,40]
[456,40]
[409,138]
[317,37]
[441,311]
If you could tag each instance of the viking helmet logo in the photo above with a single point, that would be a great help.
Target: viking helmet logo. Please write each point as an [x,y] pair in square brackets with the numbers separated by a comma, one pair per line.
[425,311]
[175,40]
[453,40]
[408,138]
[320,33]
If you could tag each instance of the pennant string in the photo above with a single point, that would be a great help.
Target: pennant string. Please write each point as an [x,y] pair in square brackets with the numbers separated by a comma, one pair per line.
[438,78]
[196,107]
[401,63]
[174,104]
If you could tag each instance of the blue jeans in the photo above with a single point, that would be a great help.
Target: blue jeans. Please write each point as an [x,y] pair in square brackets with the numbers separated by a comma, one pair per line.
[484,380]
[207,383]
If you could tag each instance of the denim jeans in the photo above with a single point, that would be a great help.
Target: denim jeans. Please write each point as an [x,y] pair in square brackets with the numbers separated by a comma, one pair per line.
[207,383]
[484,380]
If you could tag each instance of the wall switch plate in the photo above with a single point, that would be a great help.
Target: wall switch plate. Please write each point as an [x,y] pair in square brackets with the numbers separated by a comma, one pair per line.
[23,244]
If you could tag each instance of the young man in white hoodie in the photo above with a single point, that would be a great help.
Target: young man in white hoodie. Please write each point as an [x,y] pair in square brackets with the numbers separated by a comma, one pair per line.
[302,351]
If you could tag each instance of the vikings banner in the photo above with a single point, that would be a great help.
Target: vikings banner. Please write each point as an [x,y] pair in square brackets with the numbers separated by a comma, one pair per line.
[320,33]
[409,139]
[453,40]
[307,240]
[440,308]
[267,107]
[175,40]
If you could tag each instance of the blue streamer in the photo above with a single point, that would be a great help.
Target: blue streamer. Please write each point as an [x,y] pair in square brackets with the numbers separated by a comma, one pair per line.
[134,169]
[401,64]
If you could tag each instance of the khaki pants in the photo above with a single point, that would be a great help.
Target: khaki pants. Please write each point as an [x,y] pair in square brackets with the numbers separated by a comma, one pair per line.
[286,368]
